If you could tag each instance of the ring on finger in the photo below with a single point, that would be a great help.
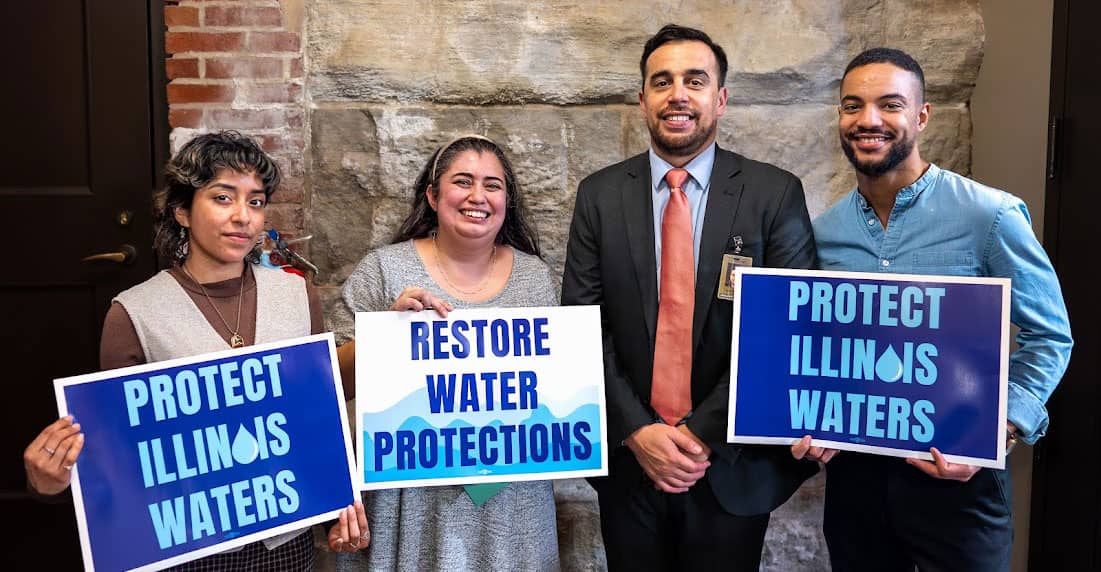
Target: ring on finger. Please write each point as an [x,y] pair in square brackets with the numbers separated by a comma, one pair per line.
[49,450]
[67,467]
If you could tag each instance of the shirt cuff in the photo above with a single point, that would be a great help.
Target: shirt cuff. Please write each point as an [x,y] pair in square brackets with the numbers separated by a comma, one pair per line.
[1028,413]
[61,497]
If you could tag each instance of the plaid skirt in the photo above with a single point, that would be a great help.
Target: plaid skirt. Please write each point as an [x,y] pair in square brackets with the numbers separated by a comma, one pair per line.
[296,555]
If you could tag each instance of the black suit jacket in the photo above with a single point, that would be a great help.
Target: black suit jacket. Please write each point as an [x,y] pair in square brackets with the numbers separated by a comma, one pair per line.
[610,262]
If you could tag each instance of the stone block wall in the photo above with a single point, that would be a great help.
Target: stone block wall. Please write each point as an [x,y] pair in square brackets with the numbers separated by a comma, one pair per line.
[557,81]
[352,96]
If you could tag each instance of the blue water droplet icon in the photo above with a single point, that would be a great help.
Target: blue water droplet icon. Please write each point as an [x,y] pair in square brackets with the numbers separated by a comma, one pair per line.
[245,448]
[889,367]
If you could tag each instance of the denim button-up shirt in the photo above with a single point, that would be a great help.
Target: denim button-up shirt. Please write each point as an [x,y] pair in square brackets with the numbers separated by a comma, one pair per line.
[947,224]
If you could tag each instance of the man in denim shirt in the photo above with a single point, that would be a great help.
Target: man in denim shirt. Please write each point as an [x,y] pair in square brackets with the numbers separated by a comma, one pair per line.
[909,216]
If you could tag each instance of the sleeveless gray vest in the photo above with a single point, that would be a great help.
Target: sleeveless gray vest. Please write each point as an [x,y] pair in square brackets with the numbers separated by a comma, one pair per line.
[169,325]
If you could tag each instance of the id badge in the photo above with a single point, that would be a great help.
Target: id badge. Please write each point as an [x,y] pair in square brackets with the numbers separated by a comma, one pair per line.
[726,275]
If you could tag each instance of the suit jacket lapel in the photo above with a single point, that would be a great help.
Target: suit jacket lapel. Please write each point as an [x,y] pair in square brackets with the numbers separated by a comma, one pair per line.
[638,214]
[722,207]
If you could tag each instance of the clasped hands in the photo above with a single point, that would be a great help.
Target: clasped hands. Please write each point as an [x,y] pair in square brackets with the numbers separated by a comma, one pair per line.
[673,457]
[938,468]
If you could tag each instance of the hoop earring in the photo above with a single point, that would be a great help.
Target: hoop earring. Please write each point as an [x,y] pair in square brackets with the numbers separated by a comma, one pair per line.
[254,255]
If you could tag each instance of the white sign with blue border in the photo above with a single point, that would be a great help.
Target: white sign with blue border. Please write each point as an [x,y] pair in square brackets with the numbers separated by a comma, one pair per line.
[890,364]
[483,396]
[190,457]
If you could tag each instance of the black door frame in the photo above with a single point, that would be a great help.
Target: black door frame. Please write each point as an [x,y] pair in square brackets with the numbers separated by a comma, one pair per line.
[1065,528]
[61,535]
[158,88]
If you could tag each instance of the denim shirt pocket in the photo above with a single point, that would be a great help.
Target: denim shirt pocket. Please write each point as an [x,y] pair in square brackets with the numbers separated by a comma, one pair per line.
[943,260]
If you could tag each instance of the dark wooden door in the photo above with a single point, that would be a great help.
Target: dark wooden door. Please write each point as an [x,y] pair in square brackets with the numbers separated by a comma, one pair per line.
[78,162]
[1066,492]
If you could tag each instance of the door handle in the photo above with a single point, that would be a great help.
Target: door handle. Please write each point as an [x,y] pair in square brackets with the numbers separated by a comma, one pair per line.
[125,255]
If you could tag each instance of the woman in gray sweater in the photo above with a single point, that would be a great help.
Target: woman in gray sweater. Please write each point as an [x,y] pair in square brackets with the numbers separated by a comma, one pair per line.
[466,244]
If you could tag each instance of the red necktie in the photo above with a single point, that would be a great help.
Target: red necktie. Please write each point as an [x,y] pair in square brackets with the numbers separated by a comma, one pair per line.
[671,389]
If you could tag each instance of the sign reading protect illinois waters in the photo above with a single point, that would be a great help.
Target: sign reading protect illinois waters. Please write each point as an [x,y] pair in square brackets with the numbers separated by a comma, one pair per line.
[887,364]
[483,396]
[189,457]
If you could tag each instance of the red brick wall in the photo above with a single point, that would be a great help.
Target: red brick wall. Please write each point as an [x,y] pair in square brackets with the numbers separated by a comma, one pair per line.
[237,64]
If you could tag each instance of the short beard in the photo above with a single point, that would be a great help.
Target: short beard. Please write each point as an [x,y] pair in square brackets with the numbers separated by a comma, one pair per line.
[689,146]
[898,153]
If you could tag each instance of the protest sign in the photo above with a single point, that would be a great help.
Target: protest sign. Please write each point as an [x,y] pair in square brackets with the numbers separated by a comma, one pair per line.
[882,363]
[190,457]
[490,395]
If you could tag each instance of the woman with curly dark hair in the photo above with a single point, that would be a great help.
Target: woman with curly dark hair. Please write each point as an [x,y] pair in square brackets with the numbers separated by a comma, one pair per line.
[209,217]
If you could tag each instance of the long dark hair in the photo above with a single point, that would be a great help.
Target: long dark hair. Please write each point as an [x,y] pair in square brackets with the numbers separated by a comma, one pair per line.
[195,165]
[422,221]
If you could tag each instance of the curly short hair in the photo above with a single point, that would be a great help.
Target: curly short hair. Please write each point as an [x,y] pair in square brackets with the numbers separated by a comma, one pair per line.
[197,164]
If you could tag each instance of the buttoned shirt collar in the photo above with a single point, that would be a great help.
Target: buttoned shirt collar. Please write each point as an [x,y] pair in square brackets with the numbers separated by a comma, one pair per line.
[696,189]
[699,168]
[907,194]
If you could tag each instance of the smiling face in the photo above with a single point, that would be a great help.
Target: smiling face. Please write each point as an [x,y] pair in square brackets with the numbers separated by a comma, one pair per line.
[472,198]
[879,118]
[681,99]
[225,218]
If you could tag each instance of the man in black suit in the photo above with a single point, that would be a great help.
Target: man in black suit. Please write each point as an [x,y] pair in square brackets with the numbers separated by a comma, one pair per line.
[678,496]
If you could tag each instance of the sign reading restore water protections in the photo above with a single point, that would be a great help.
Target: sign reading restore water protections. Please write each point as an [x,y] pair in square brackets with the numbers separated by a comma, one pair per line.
[483,396]
[886,364]
[189,457]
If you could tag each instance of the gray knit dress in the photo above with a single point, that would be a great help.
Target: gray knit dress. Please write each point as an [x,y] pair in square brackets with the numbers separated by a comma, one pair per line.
[439,528]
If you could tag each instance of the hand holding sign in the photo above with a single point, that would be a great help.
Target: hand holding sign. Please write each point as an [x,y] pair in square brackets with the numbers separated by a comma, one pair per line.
[416,299]
[940,468]
[49,459]
[351,532]
[803,449]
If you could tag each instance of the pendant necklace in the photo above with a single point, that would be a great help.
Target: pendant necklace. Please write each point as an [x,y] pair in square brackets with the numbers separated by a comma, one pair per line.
[485,281]
[235,339]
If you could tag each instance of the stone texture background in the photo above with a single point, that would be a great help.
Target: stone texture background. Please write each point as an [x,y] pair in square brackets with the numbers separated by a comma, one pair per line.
[556,83]
[384,82]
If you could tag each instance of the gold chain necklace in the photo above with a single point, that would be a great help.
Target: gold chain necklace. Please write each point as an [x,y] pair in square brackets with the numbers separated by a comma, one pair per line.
[235,339]
[485,281]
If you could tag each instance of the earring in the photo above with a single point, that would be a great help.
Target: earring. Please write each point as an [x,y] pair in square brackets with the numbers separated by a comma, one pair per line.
[182,246]
[255,256]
